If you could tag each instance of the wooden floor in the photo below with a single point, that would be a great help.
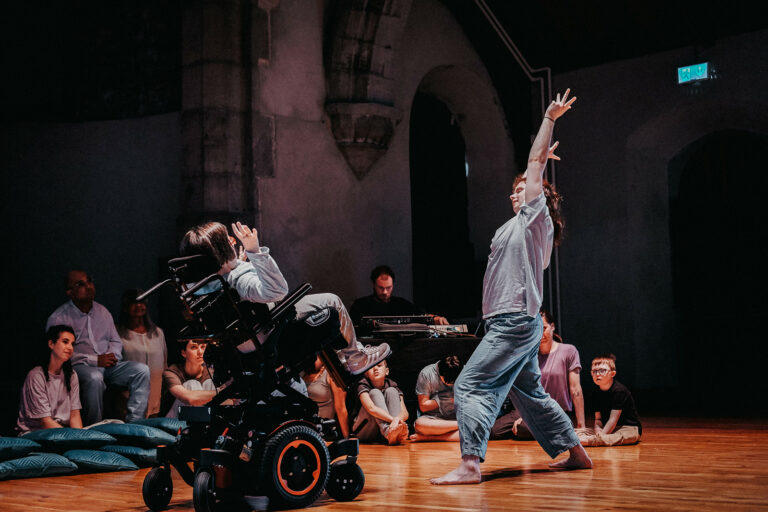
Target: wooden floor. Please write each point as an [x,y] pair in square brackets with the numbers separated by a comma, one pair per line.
[679,465]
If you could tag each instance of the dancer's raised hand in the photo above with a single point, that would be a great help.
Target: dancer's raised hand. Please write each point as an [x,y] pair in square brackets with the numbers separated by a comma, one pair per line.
[559,106]
[247,236]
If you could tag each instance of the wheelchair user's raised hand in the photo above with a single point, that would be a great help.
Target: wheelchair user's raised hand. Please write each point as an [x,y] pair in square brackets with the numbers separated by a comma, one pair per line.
[247,236]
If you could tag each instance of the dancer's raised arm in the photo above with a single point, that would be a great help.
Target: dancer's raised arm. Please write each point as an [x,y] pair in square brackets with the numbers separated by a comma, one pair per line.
[541,150]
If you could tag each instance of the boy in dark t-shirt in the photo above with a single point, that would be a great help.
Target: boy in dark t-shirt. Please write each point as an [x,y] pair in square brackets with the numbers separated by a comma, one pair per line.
[382,413]
[616,418]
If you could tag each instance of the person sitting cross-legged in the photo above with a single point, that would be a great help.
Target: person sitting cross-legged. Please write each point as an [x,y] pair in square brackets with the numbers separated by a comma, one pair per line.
[616,418]
[434,391]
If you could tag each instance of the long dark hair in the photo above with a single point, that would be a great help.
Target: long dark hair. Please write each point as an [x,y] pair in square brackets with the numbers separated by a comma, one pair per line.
[546,315]
[554,200]
[53,334]
[128,298]
[211,239]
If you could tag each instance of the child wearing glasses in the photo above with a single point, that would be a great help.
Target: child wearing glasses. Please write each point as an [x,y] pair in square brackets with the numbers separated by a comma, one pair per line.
[616,419]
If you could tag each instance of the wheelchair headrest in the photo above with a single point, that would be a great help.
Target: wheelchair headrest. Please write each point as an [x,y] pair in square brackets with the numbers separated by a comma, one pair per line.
[191,269]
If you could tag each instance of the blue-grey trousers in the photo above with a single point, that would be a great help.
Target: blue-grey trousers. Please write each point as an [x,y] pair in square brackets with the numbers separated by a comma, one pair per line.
[506,362]
[93,381]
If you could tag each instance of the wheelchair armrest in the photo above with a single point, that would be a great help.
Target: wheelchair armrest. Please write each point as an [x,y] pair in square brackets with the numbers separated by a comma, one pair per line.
[152,290]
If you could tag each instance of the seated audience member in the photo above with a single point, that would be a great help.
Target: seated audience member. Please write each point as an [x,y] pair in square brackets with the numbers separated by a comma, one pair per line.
[99,351]
[189,382]
[560,368]
[434,391]
[330,398]
[382,303]
[50,397]
[616,418]
[143,342]
[259,280]
[383,413]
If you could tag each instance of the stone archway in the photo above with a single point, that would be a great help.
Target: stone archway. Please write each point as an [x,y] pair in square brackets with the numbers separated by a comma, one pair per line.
[651,149]
[473,107]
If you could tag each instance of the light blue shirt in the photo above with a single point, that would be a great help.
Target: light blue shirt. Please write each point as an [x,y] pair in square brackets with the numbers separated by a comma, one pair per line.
[520,251]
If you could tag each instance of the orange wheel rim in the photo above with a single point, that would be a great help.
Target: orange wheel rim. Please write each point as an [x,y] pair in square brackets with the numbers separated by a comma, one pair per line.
[298,444]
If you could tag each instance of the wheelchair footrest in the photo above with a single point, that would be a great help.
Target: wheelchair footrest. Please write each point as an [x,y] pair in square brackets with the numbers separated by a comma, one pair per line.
[344,447]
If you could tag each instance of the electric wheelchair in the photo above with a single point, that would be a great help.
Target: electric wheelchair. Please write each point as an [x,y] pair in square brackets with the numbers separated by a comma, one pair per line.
[258,436]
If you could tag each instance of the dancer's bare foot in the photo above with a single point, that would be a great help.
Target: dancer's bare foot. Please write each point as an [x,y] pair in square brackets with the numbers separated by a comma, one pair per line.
[468,472]
[577,459]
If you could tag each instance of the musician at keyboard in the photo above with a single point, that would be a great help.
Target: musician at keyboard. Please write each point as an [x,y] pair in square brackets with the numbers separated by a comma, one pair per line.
[382,303]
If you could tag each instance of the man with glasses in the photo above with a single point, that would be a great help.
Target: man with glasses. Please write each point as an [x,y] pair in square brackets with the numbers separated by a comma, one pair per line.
[99,351]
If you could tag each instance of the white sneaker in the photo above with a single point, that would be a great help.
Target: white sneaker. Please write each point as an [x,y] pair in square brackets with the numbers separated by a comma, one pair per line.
[367,357]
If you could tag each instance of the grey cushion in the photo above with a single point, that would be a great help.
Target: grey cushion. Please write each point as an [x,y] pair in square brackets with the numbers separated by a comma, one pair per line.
[170,425]
[133,434]
[15,447]
[96,460]
[63,439]
[36,464]
[142,457]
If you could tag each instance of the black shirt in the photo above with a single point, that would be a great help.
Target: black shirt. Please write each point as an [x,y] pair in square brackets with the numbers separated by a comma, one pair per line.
[617,397]
[371,306]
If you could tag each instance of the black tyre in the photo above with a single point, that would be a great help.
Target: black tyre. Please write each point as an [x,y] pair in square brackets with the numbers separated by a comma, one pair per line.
[204,492]
[294,468]
[346,481]
[157,488]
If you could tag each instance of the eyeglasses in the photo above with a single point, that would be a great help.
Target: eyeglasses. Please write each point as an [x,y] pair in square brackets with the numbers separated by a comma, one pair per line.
[600,371]
[83,282]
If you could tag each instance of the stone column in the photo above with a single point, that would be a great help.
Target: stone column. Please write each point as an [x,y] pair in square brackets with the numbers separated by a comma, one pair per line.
[359,68]
[228,144]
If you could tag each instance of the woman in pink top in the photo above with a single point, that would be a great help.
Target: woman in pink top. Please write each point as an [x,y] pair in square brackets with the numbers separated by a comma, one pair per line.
[50,397]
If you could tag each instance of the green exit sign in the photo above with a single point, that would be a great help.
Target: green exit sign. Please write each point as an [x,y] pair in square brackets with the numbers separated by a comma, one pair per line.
[693,73]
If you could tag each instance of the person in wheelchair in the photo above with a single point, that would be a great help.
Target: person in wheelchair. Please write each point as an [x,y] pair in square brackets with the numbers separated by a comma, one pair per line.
[255,276]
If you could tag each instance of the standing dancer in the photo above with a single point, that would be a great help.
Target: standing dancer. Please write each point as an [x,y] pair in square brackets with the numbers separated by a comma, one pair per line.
[506,360]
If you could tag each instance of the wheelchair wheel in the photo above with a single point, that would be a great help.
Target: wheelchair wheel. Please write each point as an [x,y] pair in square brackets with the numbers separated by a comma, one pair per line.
[294,468]
[204,492]
[157,488]
[346,481]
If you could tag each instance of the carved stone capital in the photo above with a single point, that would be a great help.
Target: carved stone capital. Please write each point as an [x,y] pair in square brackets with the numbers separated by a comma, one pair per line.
[362,132]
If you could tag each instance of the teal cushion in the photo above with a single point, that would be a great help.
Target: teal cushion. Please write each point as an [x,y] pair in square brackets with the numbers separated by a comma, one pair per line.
[36,464]
[96,460]
[136,435]
[15,447]
[170,425]
[63,439]
[142,457]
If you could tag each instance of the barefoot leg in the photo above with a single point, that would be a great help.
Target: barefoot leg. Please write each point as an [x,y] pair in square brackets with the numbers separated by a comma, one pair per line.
[468,472]
[577,459]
